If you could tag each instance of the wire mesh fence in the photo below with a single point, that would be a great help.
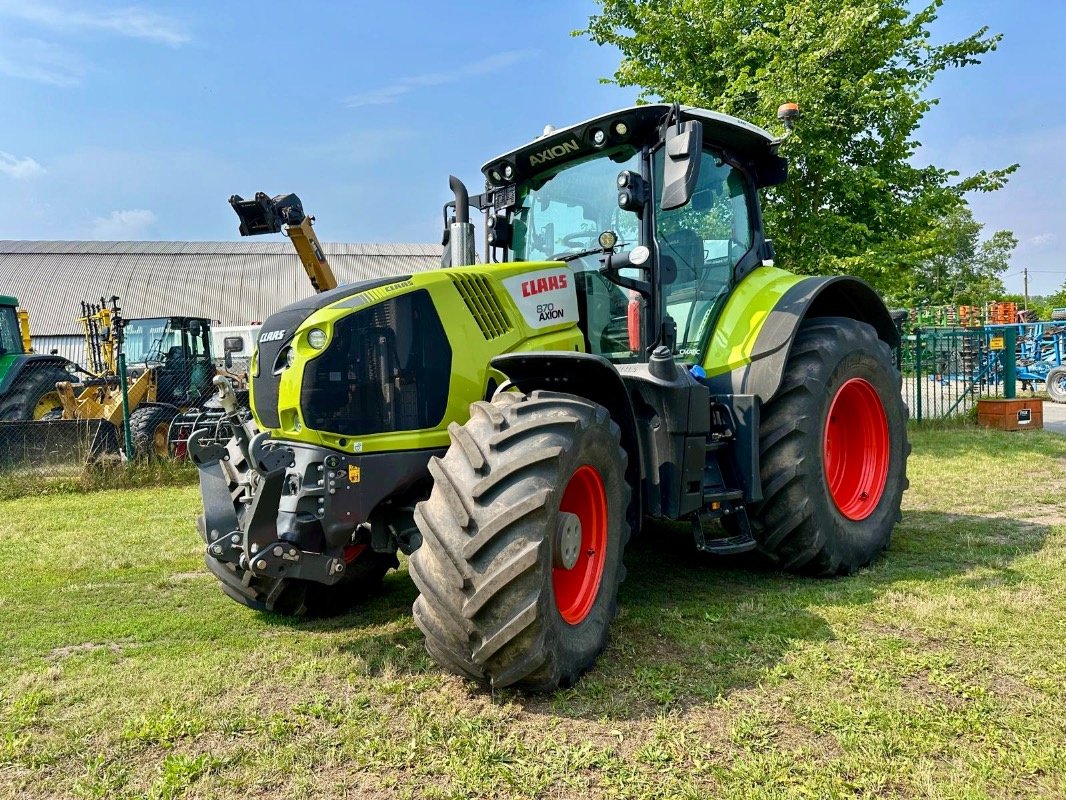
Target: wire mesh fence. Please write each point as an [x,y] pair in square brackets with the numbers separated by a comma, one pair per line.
[946,371]
[57,420]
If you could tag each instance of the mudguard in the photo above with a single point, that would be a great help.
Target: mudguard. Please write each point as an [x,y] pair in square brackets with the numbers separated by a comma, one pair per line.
[586,375]
[753,336]
[11,367]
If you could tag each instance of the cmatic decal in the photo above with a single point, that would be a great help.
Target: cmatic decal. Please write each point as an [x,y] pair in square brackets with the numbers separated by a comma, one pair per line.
[545,298]
[552,153]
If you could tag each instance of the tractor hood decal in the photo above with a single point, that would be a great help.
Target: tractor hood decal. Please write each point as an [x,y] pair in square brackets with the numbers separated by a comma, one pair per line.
[545,297]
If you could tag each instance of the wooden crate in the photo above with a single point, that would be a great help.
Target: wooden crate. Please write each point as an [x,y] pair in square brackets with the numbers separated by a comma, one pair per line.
[1020,414]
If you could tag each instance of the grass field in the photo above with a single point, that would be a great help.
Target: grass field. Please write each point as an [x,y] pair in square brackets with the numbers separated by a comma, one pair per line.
[938,672]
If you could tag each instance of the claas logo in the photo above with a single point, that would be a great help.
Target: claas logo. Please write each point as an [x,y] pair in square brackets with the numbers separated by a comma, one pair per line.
[538,285]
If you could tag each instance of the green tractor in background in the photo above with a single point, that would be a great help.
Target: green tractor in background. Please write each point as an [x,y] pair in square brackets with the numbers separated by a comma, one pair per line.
[629,351]
[27,380]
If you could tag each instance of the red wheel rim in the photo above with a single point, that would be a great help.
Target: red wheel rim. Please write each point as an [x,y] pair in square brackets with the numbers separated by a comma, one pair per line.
[856,449]
[352,552]
[576,588]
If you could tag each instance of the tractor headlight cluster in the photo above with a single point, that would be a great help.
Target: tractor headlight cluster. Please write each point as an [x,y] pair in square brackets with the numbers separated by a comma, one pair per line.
[290,356]
[502,173]
[316,337]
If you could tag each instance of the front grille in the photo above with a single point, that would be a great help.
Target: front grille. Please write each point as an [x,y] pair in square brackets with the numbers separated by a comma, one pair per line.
[476,291]
[387,368]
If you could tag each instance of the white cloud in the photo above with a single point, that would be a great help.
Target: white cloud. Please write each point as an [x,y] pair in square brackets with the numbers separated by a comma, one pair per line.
[43,62]
[129,224]
[1043,239]
[132,22]
[19,168]
[391,92]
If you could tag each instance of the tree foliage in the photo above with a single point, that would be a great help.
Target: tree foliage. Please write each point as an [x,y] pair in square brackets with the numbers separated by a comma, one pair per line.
[961,269]
[861,70]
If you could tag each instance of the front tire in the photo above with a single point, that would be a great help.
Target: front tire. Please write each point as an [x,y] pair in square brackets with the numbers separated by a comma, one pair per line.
[150,431]
[833,449]
[522,545]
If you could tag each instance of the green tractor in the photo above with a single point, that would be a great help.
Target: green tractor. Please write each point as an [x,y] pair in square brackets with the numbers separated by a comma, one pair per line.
[627,352]
[27,380]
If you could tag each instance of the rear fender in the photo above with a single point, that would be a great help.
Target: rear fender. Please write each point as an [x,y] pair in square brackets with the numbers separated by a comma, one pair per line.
[753,337]
[16,364]
[589,376]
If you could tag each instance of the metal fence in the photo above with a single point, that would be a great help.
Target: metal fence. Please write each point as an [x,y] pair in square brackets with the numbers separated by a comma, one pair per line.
[54,421]
[946,370]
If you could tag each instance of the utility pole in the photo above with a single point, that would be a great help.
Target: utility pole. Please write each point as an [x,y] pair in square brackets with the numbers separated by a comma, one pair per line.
[1025,278]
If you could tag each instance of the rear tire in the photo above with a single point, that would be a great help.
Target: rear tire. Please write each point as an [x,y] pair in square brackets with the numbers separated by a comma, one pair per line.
[512,593]
[1056,384]
[34,394]
[832,485]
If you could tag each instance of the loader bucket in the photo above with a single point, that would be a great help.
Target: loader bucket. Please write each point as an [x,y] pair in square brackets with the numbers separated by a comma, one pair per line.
[32,445]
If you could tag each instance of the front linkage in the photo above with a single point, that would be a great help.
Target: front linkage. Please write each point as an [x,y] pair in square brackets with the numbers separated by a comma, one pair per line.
[296,528]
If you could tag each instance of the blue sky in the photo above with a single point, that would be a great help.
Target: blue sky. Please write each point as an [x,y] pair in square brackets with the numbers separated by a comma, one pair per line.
[138,121]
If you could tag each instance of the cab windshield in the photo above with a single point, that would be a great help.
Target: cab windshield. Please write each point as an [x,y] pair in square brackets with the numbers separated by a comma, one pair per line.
[560,215]
[563,212]
[150,340]
[10,337]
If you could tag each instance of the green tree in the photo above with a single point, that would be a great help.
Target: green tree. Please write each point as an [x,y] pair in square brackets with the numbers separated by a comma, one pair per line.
[959,267]
[861,70]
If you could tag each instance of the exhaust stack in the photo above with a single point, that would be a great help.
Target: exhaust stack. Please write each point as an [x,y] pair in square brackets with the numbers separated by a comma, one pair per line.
[461,230]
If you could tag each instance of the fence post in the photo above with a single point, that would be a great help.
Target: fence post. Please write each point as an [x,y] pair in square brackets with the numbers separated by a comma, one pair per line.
[1010,364]
[918,374]
[127,435]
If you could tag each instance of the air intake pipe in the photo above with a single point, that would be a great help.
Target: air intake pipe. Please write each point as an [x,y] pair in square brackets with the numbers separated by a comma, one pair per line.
[461,230]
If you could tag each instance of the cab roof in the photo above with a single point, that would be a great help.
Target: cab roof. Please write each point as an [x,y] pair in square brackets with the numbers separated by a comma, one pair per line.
[749,142]
[7,300]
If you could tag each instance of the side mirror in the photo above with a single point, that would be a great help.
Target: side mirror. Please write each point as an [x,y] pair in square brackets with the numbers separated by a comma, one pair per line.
[233,344]
[194,328]
[681,164]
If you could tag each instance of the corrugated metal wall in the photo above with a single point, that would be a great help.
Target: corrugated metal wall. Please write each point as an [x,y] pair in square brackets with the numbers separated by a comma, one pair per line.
[70,347]
[233,283]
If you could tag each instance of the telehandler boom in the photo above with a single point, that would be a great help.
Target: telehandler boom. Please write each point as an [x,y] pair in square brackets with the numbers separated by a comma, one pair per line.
[285,213]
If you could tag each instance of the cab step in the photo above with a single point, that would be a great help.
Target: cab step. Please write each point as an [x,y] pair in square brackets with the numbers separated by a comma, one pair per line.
[742,542]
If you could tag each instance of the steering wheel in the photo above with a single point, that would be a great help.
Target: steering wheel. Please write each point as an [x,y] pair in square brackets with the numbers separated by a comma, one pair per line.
[580,238]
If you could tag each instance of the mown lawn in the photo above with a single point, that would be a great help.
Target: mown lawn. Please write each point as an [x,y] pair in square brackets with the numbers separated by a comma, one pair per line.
[939,672]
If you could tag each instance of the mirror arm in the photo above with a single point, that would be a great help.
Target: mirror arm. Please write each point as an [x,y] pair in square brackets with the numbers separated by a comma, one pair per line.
[611,273]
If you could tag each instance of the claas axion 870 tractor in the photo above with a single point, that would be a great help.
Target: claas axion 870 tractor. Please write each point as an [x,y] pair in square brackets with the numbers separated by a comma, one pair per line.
[629,352]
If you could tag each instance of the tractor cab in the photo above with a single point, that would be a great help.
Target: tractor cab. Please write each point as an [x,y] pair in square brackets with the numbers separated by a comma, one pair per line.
[10,332]
[178,351]
[655,210]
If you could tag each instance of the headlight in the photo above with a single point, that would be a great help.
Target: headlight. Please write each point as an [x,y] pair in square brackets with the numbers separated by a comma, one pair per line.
[290,356]
[316,337]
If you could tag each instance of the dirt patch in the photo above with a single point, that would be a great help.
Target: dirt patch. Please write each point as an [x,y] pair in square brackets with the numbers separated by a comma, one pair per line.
[199,575]
[59,653]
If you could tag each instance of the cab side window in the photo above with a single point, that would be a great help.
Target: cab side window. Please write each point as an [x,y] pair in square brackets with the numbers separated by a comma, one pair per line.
[699,246]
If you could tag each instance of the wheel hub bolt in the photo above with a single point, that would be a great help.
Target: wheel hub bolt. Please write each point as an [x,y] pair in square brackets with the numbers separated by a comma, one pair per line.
[278,550]
[567,540]
[260,564]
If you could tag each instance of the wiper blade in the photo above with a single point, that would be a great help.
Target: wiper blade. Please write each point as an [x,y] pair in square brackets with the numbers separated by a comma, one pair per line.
[565,257]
